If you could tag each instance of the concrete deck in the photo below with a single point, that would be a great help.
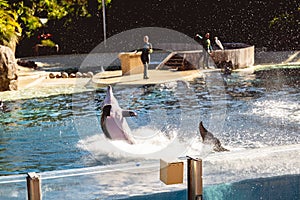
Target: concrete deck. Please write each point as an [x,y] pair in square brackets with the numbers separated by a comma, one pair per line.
[40,79]
[155,77]
[35,83]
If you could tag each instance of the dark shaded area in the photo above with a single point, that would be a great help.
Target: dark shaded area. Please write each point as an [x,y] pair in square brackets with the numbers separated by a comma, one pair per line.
[232,21]
[278,72]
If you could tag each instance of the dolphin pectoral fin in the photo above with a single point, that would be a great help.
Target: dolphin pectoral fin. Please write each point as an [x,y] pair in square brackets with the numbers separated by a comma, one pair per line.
[106,110]
[128,113]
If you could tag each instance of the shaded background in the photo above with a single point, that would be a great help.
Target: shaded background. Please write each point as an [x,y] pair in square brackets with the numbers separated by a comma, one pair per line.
[270,24]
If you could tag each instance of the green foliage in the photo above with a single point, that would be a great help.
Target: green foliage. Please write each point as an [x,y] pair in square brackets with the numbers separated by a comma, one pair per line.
[10,29]
[22,17]
[48,43]
[29,13]
[287,18]
[286,25]
[27,19]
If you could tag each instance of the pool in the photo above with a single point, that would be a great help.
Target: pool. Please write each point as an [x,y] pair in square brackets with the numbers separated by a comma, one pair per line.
[249,115]
[282,187]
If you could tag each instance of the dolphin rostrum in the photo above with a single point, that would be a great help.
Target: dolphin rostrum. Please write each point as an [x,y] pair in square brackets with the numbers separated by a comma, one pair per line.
[209,138]
[113,122]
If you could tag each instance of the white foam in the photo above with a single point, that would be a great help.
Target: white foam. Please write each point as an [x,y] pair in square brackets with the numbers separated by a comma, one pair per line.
[240,164]
[277,109]
[150,144]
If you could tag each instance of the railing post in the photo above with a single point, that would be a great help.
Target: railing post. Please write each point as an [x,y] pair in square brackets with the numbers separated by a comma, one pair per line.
[194,175]
[34,186]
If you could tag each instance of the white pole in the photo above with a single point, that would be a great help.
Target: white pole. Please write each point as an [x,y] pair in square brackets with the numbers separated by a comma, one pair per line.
[104,23]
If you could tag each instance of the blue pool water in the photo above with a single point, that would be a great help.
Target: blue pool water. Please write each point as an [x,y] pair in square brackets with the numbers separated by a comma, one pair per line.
[62,131]
[275,188]
[42,134]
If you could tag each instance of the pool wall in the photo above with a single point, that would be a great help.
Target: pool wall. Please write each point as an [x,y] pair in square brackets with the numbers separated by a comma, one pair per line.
[241,55]
[275,188]
[100,186]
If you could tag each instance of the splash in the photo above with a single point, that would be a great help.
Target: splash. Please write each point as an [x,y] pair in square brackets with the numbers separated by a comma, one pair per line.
[286,110]
[150,144]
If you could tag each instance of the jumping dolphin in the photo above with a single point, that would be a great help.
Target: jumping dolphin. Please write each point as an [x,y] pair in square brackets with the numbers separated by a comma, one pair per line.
[113,122]
[209,138]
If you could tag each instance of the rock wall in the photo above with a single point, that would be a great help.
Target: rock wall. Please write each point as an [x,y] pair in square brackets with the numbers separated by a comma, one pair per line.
[8,69]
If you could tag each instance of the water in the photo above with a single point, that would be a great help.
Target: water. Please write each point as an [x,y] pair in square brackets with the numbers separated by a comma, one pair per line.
[63,131]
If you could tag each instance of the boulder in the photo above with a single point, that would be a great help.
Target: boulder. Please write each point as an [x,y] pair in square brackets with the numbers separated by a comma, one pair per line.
[84,75]
[64,75]
[8,69]
[90,74]
[27,63]
[72,75]
[79,75]
[51,75]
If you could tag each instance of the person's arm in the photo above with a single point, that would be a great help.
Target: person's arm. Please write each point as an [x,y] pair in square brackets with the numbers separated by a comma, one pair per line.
[210,48]
[151,49]
[199,36]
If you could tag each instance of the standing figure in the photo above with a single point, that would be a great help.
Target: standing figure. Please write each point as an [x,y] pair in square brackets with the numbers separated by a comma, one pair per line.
[207,46]
[207,43]
[145,57]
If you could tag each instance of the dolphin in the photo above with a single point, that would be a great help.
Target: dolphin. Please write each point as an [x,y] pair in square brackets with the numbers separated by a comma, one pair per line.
[209,138]
[113,122]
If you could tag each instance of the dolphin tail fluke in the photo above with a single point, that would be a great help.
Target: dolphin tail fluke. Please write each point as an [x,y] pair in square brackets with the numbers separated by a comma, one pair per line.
[220,149]
[202,130]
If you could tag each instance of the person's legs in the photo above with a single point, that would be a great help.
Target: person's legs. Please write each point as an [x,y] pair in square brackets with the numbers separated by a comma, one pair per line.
[146,70]
[205,60]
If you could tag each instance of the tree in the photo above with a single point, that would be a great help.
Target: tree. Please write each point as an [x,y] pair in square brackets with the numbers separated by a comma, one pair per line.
[66,18]
[287,27]
[10,29]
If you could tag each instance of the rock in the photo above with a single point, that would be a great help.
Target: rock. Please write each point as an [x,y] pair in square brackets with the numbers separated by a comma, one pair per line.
[72,75]
[84,75]
[90,74]
[27,63]
[64,75]
[8,69]
[79,75]
[51,75]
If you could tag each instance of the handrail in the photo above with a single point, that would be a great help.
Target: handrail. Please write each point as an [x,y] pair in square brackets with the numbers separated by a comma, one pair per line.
[174,53]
